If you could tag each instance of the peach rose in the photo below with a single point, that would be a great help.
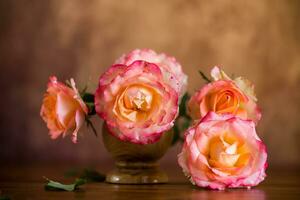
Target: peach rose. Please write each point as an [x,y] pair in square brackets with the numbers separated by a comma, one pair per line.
[223,151]
[243,84]
[135,102]
[224,95]
[63,109]
[171,69]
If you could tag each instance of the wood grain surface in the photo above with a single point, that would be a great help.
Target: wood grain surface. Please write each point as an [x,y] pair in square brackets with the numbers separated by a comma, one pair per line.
[27,183]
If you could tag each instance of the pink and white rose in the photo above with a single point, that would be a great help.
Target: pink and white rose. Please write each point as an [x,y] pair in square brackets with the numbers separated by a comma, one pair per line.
[136,102]
[223,151]
[171,69]
[63,109]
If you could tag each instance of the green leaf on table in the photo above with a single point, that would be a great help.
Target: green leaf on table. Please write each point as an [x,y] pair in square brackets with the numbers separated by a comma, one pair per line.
[56,186]
[91,175]
[4,198]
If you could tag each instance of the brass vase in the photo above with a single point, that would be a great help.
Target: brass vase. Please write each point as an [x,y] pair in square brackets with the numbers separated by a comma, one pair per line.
[136,163]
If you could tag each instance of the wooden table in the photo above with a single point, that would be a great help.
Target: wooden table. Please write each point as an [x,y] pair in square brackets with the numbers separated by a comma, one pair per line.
[27,183]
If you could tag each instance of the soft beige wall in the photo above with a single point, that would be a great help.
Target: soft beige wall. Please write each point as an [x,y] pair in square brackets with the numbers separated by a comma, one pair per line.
[80,39]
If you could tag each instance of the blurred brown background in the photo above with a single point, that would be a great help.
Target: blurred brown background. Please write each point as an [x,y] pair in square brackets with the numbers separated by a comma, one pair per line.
[80,39]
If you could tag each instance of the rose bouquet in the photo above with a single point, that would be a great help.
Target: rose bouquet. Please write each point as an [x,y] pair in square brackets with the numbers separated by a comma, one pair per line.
[142,100]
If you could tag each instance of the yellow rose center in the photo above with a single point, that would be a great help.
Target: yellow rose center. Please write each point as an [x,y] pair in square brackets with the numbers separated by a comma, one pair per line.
[136,102]
[227,152]
[138,98]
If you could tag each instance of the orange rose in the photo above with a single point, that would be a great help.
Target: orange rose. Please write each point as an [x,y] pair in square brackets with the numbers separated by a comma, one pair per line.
[225,96]
[63,109]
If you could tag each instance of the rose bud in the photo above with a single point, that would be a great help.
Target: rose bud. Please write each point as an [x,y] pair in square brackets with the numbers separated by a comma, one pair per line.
[223,151]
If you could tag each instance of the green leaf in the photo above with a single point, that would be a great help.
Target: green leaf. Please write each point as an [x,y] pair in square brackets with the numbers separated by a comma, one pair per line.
[176,135]
[88,99]
[4,198]
[68,83]
[182,106]
[204,76]
[91,175]
[180,127]
[186,124]
[56,186]
[83,91]
[89,123]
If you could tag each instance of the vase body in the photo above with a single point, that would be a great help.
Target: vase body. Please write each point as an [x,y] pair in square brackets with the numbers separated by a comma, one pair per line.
[136,163]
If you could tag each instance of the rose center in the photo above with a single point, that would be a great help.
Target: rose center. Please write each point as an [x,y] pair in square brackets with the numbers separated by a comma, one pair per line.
[138,99]
[135,103]
[223,153]
[224,100]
